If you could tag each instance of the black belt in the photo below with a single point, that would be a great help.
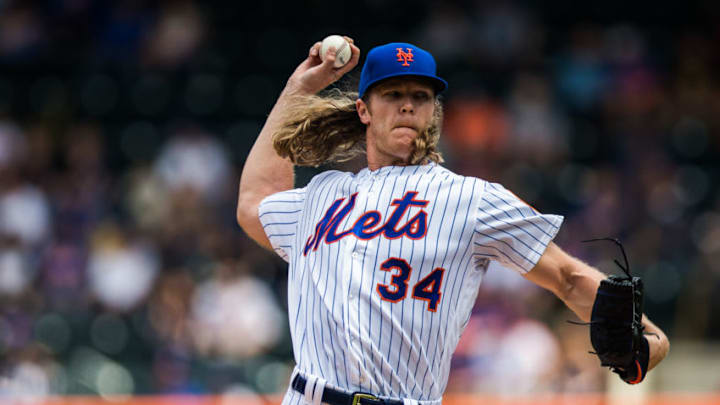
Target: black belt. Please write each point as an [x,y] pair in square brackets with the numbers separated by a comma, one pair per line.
[335,397]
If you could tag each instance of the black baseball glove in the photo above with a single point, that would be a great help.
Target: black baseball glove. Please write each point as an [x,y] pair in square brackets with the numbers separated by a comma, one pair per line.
[616,330]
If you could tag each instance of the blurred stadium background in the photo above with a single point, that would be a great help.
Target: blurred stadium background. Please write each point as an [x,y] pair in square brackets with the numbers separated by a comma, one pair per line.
[124,127]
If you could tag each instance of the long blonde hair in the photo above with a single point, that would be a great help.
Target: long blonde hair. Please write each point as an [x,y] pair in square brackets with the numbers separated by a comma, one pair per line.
[325,128]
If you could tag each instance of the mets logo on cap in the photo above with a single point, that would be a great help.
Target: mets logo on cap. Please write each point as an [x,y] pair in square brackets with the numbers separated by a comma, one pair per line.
[404,57]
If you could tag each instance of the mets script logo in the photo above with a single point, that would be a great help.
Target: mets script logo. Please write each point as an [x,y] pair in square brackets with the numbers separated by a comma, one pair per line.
[368,225]
[404,57]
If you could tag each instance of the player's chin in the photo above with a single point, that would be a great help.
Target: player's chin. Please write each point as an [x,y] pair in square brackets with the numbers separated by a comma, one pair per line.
[402,153]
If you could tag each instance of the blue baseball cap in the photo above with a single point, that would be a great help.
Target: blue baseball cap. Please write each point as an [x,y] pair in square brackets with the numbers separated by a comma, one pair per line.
[398,59]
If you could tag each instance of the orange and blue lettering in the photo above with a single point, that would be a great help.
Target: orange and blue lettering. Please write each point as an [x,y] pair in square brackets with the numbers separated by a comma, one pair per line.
[404,57]
[366,226]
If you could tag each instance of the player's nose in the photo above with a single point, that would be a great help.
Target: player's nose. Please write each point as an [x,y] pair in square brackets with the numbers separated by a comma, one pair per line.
[407,107]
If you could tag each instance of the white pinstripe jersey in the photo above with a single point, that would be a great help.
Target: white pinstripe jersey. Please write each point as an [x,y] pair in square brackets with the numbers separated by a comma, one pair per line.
[384,269]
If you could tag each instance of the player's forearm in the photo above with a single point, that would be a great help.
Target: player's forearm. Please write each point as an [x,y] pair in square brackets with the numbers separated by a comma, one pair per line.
[265,172]
[658,342]
[571,280]
[581,287]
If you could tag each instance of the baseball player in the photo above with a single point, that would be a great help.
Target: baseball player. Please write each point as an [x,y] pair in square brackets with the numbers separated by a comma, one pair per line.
[385,264]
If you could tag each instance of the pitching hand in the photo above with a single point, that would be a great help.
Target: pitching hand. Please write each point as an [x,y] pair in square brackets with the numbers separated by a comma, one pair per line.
[314,74]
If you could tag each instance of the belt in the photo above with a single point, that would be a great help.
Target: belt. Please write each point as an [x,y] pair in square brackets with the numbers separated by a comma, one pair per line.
[335,397]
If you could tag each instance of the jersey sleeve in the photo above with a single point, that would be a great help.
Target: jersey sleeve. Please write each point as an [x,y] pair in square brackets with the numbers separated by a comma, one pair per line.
[279,215]
[510,231]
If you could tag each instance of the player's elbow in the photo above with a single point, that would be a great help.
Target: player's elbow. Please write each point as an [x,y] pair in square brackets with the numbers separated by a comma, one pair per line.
[240,215]
[247,217]
[246,212]
[568,283]
[577,288]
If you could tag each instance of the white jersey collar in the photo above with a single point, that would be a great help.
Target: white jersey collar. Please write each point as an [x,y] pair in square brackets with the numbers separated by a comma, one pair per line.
[390,170]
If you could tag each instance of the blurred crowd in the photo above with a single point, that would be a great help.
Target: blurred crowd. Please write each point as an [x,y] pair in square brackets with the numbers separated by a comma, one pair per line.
[123,131]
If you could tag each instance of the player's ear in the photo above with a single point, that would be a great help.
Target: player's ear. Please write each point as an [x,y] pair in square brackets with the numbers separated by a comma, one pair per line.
[363,111]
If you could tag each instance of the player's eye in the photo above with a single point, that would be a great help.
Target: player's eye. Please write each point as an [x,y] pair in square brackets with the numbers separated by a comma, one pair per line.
[421,96]
[392,94]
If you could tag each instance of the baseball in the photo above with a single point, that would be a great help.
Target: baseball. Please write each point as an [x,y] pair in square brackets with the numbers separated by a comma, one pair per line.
[342,49]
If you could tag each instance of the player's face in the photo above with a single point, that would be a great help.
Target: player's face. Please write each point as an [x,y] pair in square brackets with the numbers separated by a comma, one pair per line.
[396,112]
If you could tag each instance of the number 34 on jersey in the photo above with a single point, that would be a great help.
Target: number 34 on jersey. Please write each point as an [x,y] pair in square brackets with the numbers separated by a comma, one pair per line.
[427,289]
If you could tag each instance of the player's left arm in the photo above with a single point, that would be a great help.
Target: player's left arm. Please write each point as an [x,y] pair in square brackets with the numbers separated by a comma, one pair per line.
[576,284]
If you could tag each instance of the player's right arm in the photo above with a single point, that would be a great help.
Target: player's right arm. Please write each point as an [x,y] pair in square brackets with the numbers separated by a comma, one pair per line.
[265,172]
